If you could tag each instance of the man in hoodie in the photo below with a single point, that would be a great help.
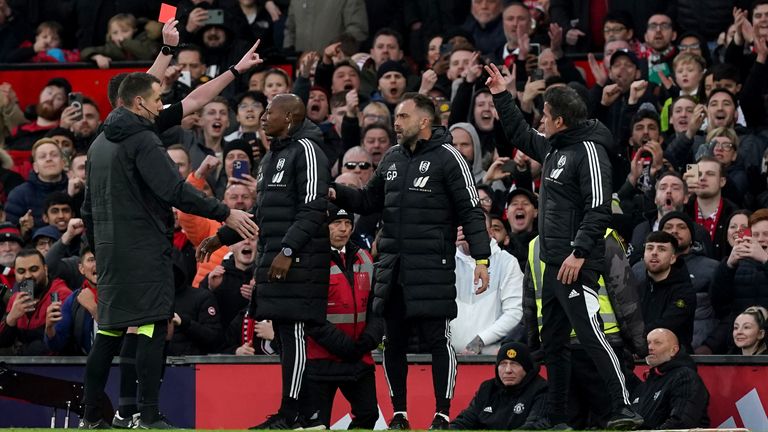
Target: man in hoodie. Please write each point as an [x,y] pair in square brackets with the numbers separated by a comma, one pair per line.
[132,179]
[467,142]
[701,271]
[228,280]
[292,271]
[574,212]
[673,395]
[512,399]
[484,320]
[669,299]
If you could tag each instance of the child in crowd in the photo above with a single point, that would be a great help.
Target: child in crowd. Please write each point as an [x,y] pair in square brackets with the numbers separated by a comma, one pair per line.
[276,81]
[46,48]
[121,44]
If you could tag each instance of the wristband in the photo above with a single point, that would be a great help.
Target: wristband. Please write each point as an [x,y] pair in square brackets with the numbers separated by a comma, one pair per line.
[235,72]
[484,262]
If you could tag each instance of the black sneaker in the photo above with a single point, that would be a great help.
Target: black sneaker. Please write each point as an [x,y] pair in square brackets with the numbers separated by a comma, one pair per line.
[440,422]
[626,419]
[278,421]
[129,422]
[311,423]
[399,422]
[160,423]
[98,424]
[544,423]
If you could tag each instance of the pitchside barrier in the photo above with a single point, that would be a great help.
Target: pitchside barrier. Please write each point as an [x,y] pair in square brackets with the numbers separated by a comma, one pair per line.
[235,392]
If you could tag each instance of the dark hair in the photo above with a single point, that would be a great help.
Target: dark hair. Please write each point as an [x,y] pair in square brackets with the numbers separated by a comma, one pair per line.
[56,198]
[662,237]
[84,250]
[113,86]
[757,3]
[674,174]
[191,47]
[493,215]
[255,95]
[565,102]
[388,31]
[52,25]
[645,114]
[721,90]
[712,159]
[621,17]
[554,79]
[136,84]
[376,125]
[91,102]
[27,252]
[745,212]
[423,103]
[679,98]
[725,71]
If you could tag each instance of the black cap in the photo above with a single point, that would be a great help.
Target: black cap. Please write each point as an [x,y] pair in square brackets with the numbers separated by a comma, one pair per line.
[10,232]
[391,66]
[516,352]
[60,82]
[336,213]
[678,215]
[522,191]
[239,144]
[625,53]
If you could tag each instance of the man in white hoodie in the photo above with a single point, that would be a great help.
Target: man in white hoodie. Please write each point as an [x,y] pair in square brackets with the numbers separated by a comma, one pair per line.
[485,319]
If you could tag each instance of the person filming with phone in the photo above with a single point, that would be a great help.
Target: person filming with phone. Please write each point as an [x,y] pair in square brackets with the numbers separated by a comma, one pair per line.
[22,327]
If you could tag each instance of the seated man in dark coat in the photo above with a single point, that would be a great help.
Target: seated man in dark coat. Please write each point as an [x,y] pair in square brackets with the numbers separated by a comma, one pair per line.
[513,399]
[673,395]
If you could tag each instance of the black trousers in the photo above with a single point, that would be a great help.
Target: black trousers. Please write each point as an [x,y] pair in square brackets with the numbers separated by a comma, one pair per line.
[434,333]
[149,359]
[576,306]
[360,393]
[293,362]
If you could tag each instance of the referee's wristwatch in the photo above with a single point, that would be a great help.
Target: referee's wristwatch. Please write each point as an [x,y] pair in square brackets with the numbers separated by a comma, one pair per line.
[169,50]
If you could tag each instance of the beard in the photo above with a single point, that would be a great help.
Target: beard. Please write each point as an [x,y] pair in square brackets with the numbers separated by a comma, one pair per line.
[47,111]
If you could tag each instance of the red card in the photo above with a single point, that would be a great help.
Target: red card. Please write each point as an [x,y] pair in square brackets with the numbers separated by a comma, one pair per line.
[167,13]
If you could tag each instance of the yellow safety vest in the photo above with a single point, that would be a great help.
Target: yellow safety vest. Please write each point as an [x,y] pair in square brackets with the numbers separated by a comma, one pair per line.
[537,266]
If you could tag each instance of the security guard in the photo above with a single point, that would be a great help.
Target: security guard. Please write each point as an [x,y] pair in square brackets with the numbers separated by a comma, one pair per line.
[622,324]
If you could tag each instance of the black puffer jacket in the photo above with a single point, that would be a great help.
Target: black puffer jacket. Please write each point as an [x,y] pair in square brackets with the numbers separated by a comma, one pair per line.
[499,407]
[575,198]
[423,196]
[707,17]
[132,185]
[672,396]
[228,295]
[200,331]
[291,211]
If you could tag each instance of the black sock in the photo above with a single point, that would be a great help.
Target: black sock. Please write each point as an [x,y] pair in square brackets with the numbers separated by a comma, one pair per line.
[149,357]
[128,376]
[96,373]
[289,407]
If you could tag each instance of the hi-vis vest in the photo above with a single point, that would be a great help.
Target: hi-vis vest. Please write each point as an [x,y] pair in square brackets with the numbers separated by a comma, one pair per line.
[537,267]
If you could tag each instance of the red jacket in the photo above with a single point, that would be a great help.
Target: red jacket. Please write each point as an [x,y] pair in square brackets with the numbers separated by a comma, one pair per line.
[348,293]
[29,328]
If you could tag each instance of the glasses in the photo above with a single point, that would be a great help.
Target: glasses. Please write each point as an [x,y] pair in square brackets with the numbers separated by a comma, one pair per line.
[254,105]
[723,145]
[693,46]
[616,29]
[486,200]
[353,165]
[660,26]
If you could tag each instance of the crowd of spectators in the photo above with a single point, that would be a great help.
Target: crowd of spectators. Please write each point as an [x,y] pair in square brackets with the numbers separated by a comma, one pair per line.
[680,85]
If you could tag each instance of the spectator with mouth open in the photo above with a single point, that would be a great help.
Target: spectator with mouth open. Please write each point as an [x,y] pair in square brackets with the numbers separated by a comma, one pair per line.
[377,139]
[392,81]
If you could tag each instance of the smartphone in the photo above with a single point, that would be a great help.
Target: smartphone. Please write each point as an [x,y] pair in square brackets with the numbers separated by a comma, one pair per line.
[27,286]
[746,232]
[537,75]
[54,297]
[694,169]
[215,16]
[534,49]
[240,168]
[76,100]
[446,48]
[508,166]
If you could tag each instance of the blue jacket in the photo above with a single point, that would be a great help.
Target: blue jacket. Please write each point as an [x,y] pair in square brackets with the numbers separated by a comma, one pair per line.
[31,195]
[66,341]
